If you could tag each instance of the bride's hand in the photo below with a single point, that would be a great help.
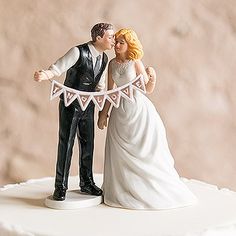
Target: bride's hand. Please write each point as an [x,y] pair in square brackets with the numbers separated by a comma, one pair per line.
[151,74]
[102,121]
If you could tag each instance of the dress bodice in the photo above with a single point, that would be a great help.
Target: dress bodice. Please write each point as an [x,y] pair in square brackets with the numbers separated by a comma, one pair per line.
[122,73]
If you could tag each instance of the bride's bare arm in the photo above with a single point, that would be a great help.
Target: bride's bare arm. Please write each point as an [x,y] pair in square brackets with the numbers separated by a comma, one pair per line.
[149,75]
[103,115]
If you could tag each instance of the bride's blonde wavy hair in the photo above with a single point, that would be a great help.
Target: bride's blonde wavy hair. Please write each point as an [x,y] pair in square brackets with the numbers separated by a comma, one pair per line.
[135,49]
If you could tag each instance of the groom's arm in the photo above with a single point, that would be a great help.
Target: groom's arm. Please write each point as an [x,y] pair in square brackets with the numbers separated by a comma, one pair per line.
[60,66]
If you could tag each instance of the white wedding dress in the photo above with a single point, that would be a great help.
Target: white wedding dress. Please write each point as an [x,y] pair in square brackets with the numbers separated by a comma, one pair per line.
[139,169]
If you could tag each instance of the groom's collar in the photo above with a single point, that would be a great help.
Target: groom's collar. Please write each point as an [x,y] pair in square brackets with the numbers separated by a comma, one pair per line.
[93,50]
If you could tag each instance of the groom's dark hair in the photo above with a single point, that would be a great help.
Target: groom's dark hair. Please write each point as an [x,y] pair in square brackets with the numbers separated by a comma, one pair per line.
[99,30]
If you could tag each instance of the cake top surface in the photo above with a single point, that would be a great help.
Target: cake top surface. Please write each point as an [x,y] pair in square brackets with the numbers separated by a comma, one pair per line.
[23,213]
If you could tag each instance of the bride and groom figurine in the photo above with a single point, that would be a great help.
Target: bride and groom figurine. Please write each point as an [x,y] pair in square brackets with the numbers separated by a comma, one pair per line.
[139,169]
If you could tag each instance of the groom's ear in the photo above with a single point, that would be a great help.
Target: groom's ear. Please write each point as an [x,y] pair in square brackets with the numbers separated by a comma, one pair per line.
[98,38]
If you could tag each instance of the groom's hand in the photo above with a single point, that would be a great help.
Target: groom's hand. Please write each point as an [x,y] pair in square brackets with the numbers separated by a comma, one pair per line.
[40,76]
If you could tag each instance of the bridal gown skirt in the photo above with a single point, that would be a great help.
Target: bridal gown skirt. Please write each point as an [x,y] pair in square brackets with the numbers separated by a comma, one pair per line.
[139,169]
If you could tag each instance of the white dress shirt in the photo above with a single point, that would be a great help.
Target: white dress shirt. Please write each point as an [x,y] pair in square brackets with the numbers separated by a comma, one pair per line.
[71,57]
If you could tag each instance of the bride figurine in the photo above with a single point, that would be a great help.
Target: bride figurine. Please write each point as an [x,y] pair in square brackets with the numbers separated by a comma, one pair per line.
[139,169]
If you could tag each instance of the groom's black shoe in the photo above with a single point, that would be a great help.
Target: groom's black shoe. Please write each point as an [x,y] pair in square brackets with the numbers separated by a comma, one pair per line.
[59,194]
[91,189]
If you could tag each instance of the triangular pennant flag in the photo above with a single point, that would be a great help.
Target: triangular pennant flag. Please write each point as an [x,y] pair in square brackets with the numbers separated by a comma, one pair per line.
[99,100]
[114,98]
[127,93]
[69,97]
[84,100]
[139,84]
[56,89]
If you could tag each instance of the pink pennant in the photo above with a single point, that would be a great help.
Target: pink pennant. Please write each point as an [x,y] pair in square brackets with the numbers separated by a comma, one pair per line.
[127,93]
[56,90]
[139,84]
[69,97]
[84,100]
[99,100]
[114,98]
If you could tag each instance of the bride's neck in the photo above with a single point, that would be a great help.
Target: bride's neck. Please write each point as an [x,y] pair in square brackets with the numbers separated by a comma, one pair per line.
[121,58]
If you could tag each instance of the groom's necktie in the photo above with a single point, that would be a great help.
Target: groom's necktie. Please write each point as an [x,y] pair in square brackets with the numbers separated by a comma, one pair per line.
[97,65]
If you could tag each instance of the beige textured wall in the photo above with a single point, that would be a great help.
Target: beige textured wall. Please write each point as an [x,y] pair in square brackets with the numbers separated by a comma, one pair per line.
[192,45]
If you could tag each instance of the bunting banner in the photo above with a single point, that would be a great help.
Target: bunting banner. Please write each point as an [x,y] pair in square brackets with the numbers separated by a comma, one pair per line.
[98,98]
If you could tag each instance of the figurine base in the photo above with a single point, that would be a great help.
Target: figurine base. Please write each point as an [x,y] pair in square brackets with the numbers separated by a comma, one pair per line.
[74,200]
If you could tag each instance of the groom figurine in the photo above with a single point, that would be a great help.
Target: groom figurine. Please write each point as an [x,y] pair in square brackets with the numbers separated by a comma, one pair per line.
[84,66]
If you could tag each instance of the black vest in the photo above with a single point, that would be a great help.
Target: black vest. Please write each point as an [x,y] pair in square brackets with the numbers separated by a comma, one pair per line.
[81,75]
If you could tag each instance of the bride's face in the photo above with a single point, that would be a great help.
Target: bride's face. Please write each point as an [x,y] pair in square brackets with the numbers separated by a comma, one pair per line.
[121,45]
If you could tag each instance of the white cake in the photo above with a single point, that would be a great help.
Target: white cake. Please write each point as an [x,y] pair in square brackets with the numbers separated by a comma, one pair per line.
[22,212]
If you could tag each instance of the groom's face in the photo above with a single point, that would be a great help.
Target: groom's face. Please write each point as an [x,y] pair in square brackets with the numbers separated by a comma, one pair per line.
[107,41]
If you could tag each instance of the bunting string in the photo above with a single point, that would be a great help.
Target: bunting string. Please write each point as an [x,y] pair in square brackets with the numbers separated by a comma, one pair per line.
[98,98]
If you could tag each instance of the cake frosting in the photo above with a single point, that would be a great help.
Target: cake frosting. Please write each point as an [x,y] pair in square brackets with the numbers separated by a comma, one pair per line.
[22,212]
